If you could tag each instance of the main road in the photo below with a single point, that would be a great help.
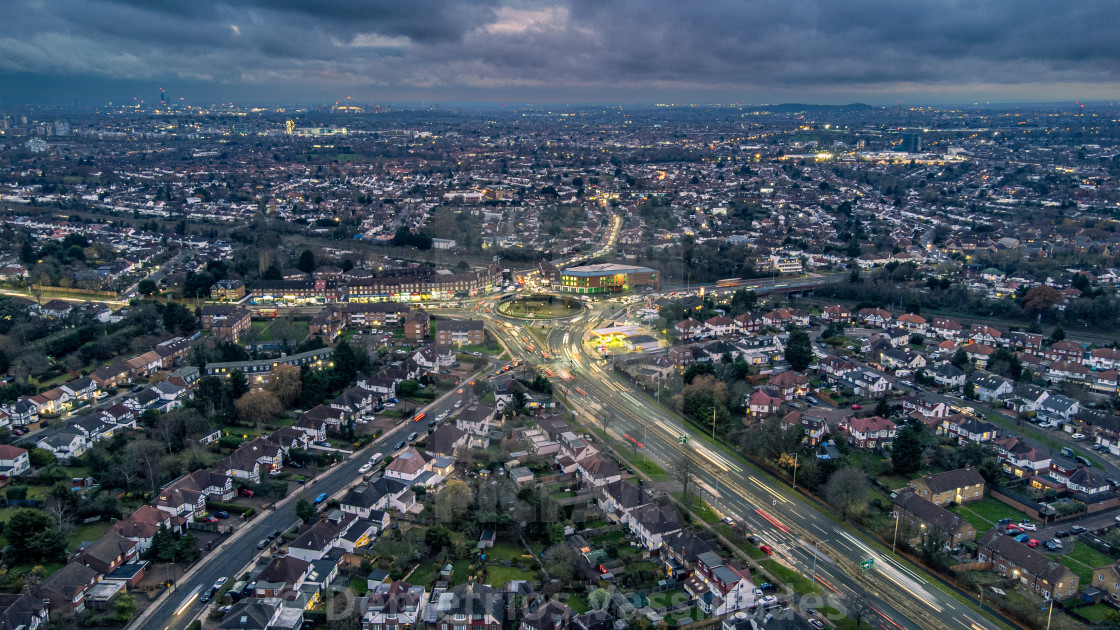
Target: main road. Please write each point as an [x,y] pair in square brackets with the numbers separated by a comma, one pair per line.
[899,593]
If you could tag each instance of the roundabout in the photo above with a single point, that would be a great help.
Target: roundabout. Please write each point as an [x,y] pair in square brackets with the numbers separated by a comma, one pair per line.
[541,306]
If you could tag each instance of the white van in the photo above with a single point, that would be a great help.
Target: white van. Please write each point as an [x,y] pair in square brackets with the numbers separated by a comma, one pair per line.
[376,457]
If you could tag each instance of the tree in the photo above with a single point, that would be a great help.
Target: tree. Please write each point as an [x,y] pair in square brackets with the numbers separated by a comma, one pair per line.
[237,386]
[453,501]
[684,471]
[847,490]
[960,359]
[123,605]
[1059,334]
[285,383]
[970,390]
[906,451]
[1040,299]
[40,457]
[33,536]
[346,361]
[257,406]
[882,407]
[799,350]
[305,510]
[186,550]
[437,537]
[306,261]
[146,287]
[599,598]
[163,546]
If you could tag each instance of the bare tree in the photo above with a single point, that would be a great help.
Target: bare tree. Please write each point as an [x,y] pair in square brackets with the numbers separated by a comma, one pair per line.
[257,406]
[859,608]
[286,383]
[684,470]
[847,490]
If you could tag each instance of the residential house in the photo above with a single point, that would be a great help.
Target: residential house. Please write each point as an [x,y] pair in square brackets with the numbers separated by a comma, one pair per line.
[990,387]
[1045,577]
[790,384]
[446,441]
[652,523]
[14,461]
[473,606]
[142,525]
[763,401]
[407,467]
[870,433]
[964,485]
[546,615]
[66,588]
[923,518]
[720,588]
[618,499]
[65,443]
[395,606]
[107,553]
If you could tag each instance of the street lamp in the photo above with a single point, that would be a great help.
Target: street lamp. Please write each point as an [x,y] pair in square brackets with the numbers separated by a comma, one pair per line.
[896,515]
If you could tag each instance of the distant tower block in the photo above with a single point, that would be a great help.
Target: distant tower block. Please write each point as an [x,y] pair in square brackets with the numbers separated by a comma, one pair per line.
[162,97]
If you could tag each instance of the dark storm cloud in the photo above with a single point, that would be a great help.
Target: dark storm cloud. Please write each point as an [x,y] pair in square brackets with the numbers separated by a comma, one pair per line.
[590,49]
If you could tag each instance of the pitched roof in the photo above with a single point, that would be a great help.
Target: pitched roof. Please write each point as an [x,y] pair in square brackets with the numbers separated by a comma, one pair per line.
[953,479]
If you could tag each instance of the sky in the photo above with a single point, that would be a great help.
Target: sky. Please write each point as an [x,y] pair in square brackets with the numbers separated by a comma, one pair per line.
[560,51]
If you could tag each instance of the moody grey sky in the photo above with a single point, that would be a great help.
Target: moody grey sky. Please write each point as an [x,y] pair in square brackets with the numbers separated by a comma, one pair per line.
[832,51]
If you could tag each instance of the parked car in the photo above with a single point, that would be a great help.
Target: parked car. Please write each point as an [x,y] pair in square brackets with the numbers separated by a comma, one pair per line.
[1050,546]
[753,540]
[765,549]
[1028,526]
[222,514]
[728,520]
[1003,521]
[1061,533]
[322,497]
[295,464]
[1078,436]
[399,445]
[1022,538]
[245,492]
[857,407]
[1057,543]
[206,596]
[209,519]
[218,584]
[365,468]
[769,600]
[1032,543]
[817,623]
[323,443]
[412,436]
[1077,529]
[262,543]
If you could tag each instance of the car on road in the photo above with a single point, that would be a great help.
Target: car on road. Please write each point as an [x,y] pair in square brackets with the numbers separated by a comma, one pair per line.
[1022,538]
[322,497]
[365,468]
[412,436]
[442,415]
[400,445]
[218,584]
[1077,529]
[262,543]
[245,492]
[1078,436]
[222,514]
[206,596]
[1028,526]
[766,549]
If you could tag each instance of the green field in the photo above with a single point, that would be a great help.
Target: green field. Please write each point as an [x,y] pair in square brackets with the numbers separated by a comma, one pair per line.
[1083,559]
[800,584]
[498,576]
[665,599]
[698,507]
[985,513]
[1097,613]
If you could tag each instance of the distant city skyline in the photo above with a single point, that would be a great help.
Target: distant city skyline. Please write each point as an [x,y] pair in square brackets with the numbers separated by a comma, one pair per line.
[577,51]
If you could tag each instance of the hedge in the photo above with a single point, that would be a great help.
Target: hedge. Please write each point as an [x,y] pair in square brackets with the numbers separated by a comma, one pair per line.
[228,507]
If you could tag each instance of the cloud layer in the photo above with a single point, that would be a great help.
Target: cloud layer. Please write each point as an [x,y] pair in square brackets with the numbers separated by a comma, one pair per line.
[563,50]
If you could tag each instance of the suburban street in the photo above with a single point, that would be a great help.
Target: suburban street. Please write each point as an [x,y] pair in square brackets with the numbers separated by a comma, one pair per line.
[801,536]
[231,558]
